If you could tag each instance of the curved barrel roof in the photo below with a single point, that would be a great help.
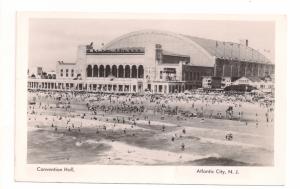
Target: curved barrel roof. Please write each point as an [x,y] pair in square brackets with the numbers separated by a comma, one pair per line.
[202,51]
[230,50]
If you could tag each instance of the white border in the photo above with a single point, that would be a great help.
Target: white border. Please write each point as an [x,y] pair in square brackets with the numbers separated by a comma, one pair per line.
[149,174]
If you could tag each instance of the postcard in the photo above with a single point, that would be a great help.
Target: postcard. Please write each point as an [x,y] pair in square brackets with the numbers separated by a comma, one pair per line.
[150,98]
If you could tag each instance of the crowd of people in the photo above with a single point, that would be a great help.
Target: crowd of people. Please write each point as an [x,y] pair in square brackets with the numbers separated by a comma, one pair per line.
[109,113]
[204,106]
[216,105]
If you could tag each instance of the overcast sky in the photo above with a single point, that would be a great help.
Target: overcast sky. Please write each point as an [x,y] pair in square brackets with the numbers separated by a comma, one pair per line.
[51,40]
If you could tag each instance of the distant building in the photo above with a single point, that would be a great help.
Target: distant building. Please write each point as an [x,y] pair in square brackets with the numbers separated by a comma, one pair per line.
[246,81]
[206,82]
[265,84]
[35,72]
[39,71]
[225,82]
[51,75]
[67,71]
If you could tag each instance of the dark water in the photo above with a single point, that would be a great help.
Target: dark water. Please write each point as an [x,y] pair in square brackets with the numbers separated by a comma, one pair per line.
[48,147]
[214,161]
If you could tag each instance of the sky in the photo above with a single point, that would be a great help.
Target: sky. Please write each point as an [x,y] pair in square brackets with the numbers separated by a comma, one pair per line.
[51,40]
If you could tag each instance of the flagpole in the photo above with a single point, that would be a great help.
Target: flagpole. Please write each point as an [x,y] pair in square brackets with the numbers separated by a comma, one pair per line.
[231,50]
[224,48]
[239,65]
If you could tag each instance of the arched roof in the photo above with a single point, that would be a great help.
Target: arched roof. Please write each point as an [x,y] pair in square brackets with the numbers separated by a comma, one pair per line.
[166,33]
[207,47]
[230,50]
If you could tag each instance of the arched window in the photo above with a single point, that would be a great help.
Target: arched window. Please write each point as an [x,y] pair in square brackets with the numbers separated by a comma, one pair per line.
[140,71]
[72,73]
[89,71]
[101,71]
[114,71]
[133,72]
[95,71]
[127,71]
[67,73]
[61,72]
[121,71]
[107,70]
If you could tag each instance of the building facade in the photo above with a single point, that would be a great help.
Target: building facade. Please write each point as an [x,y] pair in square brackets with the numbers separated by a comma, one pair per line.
[156,61]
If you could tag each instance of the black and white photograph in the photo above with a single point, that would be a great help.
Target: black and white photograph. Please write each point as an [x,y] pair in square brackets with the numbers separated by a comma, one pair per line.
[150,92]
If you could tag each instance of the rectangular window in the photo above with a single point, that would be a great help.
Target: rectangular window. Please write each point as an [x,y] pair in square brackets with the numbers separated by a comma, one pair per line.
[160,88]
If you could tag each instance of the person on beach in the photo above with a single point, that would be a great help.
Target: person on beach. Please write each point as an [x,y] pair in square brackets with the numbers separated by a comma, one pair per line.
[173,138]
[229,137]
[182,146]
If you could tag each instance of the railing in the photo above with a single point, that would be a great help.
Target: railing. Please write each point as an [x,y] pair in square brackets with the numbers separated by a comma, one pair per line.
[116,52]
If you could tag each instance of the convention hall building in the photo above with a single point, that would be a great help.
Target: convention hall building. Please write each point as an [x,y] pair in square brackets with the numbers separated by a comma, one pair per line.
[156,61]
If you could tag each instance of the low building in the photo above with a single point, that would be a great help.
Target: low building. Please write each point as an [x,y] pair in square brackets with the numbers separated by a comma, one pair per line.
[66,70]
[225,82]
[265,84]
[207,82]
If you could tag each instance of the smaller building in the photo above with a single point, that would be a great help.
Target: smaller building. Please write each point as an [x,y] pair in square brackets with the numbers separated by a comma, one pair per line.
[66,70]
[265,84]
[206,82]
[35,72]
[225,82]
[246,81]
[51,75]
[39,71]
[210,82]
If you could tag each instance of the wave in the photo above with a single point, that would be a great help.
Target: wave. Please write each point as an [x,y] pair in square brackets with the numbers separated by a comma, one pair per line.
[219,161]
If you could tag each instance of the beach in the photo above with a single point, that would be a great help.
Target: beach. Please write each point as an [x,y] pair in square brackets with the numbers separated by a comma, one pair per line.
[136,130]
